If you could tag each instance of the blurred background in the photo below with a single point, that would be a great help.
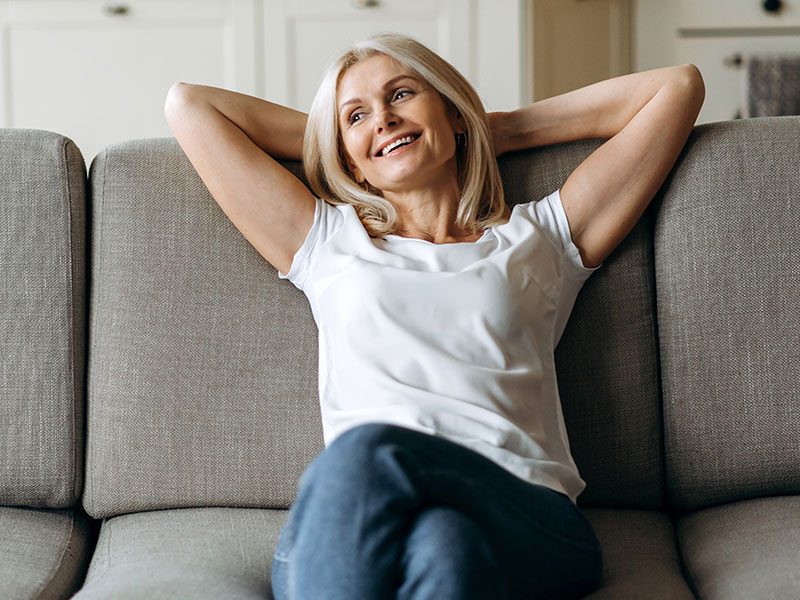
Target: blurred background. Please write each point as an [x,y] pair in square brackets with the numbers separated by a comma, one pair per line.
[98,71]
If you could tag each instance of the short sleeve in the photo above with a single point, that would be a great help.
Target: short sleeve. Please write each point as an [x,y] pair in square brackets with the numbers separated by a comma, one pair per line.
[549,213]
[327,220]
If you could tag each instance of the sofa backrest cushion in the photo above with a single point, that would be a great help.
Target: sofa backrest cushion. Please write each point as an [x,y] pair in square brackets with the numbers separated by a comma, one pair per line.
[727,256]
[202,384]
[607,360]
[203,364]
[42,323]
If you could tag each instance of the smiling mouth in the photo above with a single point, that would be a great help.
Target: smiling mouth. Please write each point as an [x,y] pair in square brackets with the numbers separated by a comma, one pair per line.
[397,144]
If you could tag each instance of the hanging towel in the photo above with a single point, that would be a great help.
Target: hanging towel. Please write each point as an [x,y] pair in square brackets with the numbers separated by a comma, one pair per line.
[772,85]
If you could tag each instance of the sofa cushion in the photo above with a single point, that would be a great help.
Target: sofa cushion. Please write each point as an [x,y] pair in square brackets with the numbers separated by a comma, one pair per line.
[186,553]
[202,387]
[193,333]
[727,259]
[43,553]
[748,550]
[42,324]
[640,556]
[227,553]
[607,360]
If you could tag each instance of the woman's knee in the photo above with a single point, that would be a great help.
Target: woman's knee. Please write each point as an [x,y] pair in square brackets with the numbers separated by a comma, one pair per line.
[441,533]
[448,556]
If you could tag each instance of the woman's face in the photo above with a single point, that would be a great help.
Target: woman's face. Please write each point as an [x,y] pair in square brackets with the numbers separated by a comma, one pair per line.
[398,132]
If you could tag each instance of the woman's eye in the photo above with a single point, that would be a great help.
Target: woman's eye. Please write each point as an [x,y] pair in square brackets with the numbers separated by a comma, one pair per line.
[401,94]
[356,116]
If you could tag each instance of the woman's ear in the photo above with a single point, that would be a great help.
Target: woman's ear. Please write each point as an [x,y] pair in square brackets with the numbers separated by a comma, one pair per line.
[351,166]
[457,120]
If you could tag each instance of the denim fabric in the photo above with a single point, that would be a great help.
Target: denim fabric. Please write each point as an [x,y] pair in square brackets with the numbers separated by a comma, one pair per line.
[387,512]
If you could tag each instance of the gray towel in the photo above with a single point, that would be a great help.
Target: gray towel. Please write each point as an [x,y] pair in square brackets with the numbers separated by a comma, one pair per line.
[773,85]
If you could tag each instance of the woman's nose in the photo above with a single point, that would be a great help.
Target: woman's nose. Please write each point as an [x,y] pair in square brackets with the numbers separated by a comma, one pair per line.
[386,119]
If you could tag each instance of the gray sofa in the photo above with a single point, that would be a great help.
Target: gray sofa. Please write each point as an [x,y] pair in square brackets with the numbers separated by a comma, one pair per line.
[159,393]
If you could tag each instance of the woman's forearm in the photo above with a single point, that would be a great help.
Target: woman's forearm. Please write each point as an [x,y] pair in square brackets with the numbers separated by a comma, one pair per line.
[276,129]
[600,110]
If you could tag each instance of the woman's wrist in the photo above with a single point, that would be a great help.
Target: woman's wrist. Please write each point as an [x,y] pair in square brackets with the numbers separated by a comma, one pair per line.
[515,130]
[500,131]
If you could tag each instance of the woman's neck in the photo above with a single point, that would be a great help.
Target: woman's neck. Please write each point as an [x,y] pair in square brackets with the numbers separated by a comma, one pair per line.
[429,214]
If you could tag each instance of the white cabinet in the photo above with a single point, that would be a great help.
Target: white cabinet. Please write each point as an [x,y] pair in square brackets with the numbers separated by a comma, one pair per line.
[712,34]
[719,36]
[301,37]
[716,15]
[98,72]
[482,38]
[726,81]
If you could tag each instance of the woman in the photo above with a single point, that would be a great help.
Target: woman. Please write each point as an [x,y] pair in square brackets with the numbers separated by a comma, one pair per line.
[447,471]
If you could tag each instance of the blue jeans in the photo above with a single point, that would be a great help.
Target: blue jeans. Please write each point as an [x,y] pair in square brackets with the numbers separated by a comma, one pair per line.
[387,512]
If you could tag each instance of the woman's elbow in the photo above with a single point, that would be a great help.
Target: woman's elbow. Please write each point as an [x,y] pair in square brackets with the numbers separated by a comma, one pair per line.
[177,96]
[691,82]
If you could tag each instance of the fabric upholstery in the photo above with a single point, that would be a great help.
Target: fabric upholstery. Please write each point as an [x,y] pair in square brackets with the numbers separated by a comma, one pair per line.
[42,323]
[744,550]
[225,552]
[43,553]
[640,556]
[157,291]
[189,554]
[607,358]
[202,377]
[729,324]
[202,384]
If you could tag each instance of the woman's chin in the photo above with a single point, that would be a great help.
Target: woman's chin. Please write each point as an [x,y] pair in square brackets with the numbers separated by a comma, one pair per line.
[414,176]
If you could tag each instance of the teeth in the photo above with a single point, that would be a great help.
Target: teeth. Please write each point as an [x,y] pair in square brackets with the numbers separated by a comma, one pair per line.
[406,140]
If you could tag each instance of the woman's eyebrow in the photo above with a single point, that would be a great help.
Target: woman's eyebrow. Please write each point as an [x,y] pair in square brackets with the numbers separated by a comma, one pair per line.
[394,80]
[388,84]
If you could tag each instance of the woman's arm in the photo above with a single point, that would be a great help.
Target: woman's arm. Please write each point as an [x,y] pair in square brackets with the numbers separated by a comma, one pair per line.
[233,141]
[597,111]
[646,118]
[277,130]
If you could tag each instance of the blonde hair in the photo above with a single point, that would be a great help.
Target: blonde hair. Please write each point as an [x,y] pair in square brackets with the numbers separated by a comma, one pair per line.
[481,205]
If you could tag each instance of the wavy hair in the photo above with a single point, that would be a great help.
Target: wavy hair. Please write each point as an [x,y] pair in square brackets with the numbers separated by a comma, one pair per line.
[481,205]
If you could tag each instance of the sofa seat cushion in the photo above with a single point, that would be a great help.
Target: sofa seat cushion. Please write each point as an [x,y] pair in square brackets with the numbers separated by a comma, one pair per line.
[227,553]
[640,555]
[191,553]
[43,553]
[748,549]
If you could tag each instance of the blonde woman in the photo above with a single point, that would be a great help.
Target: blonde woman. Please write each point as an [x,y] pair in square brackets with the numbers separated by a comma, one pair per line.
[447,471]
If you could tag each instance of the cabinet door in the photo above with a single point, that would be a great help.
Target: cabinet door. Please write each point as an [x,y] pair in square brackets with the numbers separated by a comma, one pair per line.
[302,36]
[576,43]
[98,71]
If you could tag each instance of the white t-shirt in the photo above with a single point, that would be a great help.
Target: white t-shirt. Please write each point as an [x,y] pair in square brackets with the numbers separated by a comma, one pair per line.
[454,340]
